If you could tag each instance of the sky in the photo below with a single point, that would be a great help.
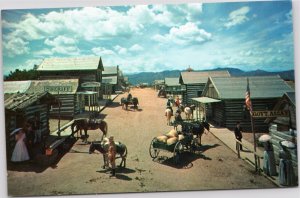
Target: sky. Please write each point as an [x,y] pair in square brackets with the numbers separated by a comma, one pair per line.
[153,38]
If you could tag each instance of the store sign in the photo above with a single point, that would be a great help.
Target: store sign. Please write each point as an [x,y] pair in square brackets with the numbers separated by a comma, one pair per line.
[58,89]
[269,114]
[90,84]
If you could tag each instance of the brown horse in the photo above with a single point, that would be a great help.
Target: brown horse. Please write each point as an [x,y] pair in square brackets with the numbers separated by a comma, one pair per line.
[89,124]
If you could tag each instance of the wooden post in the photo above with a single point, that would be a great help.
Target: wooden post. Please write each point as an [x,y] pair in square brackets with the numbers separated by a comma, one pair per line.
[58,133]
[254,143]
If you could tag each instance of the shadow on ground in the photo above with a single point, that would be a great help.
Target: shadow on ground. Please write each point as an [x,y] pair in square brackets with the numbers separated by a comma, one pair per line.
[186,158]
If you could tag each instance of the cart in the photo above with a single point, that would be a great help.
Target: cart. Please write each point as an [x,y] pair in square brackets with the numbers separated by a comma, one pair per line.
[177,148]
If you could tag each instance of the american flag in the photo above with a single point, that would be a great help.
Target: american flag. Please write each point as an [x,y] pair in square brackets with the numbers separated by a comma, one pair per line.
[247,98]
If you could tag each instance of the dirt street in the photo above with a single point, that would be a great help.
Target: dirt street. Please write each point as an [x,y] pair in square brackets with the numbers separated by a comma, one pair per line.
[215,167]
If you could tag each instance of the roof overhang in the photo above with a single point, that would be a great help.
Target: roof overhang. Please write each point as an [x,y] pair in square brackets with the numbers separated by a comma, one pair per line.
[205,100]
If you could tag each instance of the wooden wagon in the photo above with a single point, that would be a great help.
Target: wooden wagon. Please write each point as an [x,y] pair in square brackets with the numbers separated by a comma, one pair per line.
[177,148]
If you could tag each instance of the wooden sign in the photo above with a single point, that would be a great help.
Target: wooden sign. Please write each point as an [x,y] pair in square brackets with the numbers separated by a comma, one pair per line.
[269,114]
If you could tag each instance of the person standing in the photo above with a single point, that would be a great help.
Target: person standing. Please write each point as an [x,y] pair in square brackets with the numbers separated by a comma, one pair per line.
[269,167]
[112,155]
[20,152]
[238,135]
[286,170]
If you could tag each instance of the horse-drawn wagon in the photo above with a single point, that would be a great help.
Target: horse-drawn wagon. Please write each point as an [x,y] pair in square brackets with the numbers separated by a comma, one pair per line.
[125,102]
[184,142]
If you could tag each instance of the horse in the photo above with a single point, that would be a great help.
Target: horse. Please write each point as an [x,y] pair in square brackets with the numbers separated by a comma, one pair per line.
[196,128]
[102,147]
[177,119]
[124,102]
[168,114]
[135,103]
[89,124]
[188,110]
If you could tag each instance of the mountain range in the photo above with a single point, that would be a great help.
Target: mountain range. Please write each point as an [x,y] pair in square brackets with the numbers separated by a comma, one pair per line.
[149,77]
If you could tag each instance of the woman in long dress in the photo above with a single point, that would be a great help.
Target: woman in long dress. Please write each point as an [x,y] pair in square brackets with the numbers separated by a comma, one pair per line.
[269,160]
[20,152]
[286,170]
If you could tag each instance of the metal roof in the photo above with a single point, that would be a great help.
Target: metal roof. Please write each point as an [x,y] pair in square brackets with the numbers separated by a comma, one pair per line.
[172,82]
[19,101]
[110,71]
[66,64]
[260,87]
[205,100]
[198,77]
[16,86]
[110,80]
[68,86]
[292,97]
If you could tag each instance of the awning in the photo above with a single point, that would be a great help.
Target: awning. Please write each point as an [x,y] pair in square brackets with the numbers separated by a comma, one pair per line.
[87,92]
[205,100]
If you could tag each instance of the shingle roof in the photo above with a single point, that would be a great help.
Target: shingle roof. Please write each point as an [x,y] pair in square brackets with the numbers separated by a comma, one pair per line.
[201,76]
[19,101]
[172,82]
[16,86]
[65,64]
[158,82]
[260,87]
[110,80]
[110,71]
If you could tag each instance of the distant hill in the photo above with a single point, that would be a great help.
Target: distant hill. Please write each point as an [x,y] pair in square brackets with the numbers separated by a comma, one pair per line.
[149,77]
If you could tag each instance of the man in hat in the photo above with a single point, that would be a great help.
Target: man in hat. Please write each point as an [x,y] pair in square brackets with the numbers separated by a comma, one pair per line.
[238,135]
[112,155]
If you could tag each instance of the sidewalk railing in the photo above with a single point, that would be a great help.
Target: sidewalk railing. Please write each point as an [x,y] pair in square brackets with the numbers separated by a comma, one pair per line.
[257,156]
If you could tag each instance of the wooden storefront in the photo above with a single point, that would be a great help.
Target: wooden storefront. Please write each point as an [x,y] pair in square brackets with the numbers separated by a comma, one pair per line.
[284,127]
[21,107]
[174,88]
[85,69]
[265,92]
[64,90]
[194,82]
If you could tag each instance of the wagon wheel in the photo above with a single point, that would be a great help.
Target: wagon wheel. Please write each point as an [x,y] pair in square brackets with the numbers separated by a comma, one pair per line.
[178,149]
[153,151]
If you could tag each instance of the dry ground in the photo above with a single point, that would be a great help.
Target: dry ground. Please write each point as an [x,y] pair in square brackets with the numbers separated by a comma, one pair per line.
[214,167]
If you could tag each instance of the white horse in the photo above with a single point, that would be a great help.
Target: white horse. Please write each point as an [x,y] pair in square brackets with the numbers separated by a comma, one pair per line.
[189,112]
[168,114]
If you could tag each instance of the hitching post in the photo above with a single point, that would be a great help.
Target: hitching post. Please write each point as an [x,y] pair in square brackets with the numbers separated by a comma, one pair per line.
[58,133]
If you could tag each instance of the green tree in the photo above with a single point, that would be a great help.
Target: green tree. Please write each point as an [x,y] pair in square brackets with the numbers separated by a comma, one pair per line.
[22,75]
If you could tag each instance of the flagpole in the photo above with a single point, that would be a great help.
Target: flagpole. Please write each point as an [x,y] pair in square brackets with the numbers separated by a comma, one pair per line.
[250,108]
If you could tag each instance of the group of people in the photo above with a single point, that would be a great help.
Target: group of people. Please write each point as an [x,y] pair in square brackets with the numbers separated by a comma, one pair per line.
[26,138]
[286,171]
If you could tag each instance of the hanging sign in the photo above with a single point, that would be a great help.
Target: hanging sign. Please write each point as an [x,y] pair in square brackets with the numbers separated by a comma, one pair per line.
[269,114]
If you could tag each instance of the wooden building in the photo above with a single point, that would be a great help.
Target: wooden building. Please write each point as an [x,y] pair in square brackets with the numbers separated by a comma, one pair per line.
[230,91]
[173,87]
[284,128]
[72,102]
[109,86]
[195,81]
[158,84]
[21,107]
[85,69]
[111,80]
[66,91]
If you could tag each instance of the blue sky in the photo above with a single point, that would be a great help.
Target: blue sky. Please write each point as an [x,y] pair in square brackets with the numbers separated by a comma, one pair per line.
[245,35]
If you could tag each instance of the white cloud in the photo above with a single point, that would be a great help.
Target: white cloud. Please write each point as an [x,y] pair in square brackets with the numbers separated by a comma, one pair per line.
[63,45]
[237,17]
[16,46]
[120,50]
[185,34]
[136,48]
[101,51]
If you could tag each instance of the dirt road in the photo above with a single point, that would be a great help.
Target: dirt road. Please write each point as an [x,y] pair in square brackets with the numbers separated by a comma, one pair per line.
[78,172]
